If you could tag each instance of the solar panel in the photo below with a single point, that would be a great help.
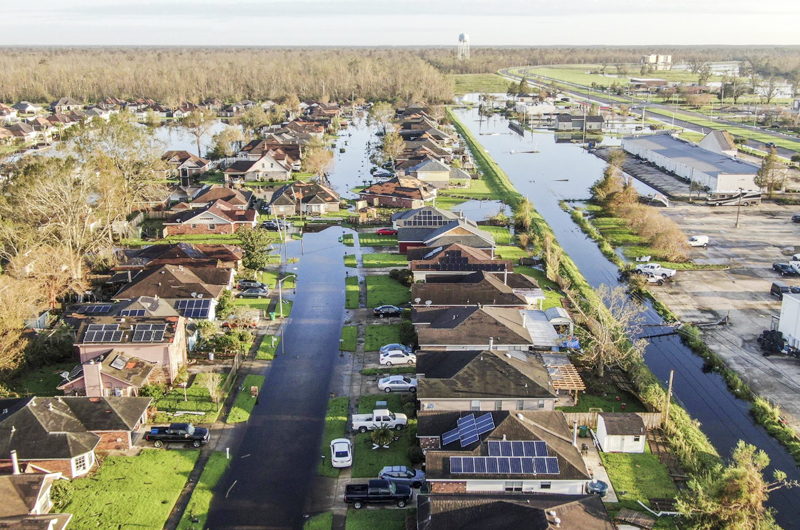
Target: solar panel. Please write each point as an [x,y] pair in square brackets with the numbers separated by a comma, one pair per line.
[466,420]
[552,465]
[527,465]
[516,449]
[132,313]
[450,437]
[137,336]
[181,304]
[158,336]
[116,337]
[540,465]
[516,465]
[484,424]
[491,464]
[541,448]
[503,466]
[158,327]
[494,448]
[143,327]
[196,313]
[469,439]
[469,464]
[456,464]
[529,448]
[82,309]
[505,449]
[480,465]
[94,327]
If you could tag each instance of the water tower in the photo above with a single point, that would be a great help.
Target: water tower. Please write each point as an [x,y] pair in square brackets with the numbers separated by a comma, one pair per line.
[463,47]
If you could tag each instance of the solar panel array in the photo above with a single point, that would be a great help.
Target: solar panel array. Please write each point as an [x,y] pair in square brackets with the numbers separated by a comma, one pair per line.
[132,313]
[195,308]
[504,465]
[469,429]
[528,448]
[102,333]
[94,309]
[149,332]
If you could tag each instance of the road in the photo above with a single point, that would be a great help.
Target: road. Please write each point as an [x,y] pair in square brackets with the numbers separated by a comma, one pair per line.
[275,459]
[634,103]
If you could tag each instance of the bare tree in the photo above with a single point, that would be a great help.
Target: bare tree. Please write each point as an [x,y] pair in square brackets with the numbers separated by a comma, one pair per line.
[769,175]
[318,160]
[393,146]
[382,113]
[771,89]
[199,125]
[212,383]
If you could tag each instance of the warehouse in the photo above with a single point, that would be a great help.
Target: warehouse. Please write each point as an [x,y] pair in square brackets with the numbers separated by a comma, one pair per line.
[716,171]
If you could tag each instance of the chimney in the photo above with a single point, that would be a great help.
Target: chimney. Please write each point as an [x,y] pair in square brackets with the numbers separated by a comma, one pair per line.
[129,276]
[575,433]
[93,379]
[491,343]
[504,437]
[14,462]
[524,319]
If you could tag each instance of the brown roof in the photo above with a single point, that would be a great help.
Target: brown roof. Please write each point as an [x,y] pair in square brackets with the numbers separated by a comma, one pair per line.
[220,208]
[177,281]
[477,288]
[622,423]
[401,187]
[181,157]
[229,195]
[130,370]
[441,258]
[20,493]
[469,326]
[180,254]
[306,192]
[50,521]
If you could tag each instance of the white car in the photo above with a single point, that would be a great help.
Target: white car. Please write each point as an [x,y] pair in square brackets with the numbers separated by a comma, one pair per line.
[397,383]
[698,241]
[392,357]
[341,452]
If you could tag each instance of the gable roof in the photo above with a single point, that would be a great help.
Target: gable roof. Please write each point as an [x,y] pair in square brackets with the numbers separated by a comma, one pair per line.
[401,187]
[180,254]
[221,209]
[455,257]
[482,374]
[431,165]
[622,424]
[184,157]
[463,231]
[50,521]
[722,140]
[477,288]
[306,192]
[470,326]
[177,281]
[21,493]
[229,195]
[437,215]
[66,101]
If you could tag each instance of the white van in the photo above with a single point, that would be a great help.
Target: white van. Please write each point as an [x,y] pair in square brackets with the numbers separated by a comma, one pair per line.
[698,241]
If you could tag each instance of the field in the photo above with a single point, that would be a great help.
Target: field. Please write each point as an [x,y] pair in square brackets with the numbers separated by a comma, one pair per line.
[552,293]
[491,83]
[323,521]
[203,493]
[349,338]
[478,189]
[43,381]
[510,252]
[351,300]
[380,334]
[380,260]
[501,234]
[335,425]
[244,404]
[131,491]
[383,519]
[383,290]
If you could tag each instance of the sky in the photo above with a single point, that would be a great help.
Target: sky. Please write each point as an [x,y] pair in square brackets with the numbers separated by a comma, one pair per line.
[398,22]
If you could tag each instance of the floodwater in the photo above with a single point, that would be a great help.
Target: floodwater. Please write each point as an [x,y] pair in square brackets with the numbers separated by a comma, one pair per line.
[351,168]
[177,138]
[566,171]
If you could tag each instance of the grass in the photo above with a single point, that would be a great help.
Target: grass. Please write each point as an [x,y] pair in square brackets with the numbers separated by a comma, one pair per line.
[374,240]
[448,203]
[350,260]
[638,476]
[349,338]
[267,347]
[368,462]
[510,252]
[43,381]
[245,402]
[607,403]
[198,400]
[478,189]
[551,290]
[378,335]
[131,490]
[501,234]
[271,279]
[383,290]
[393,370]
[204,491]
[335,425]
[255,303]
[352,293]
[287,309]
[375,520]
[348,240]
[467,83]
[323,521]
[379,260]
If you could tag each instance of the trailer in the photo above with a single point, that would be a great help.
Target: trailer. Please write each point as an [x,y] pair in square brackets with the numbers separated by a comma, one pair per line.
[734,199]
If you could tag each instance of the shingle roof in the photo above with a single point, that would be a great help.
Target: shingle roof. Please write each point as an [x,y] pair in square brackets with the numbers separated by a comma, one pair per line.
[229,195]
[431,165]
[476,288]
[460,228]
[470,326]
[225,211]
[455,257]
[401,187]
[621,423]
[177,281]
[20,493]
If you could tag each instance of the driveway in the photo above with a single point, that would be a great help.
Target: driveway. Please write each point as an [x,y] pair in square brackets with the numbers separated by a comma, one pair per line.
[274,460]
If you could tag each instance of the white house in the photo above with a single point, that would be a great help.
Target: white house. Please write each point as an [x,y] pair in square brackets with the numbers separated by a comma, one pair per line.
[620,432]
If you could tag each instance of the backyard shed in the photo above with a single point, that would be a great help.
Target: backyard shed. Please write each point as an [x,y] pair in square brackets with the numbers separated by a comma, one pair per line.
[620,432]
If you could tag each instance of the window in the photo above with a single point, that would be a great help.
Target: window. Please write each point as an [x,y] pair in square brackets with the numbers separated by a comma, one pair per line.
[637,438]
[193,226]
[212,226]
[521,404]
[513,485]
[80,464]
[541,403]
[476,405]
[545,485]
[498,405]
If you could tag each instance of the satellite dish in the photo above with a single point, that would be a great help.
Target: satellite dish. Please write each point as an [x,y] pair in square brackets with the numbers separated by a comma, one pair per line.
[64,375]
[417,300]
[200,295]
[428,302]
[194,295]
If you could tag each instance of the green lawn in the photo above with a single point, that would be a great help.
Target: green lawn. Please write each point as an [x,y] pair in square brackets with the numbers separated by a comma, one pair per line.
[198,400]
[348,240]
[607,403]
[255,303]
[335,425]
[131,491]
[467,83]
[244,404]
[350,260]
[383,290]
[378,335]
[448,203]
[510,252]
[501,234]
[287,309]
[204,491]
[267,347]
[349,338]
[368,462]
[383,519]
[478,189]
[352,296]
[374,240]
[384,260]
[323,521]
[271,279]
[638,476]
[43,381]
[551,290]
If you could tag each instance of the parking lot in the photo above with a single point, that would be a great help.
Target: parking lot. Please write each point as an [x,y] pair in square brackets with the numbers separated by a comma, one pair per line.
[765,235]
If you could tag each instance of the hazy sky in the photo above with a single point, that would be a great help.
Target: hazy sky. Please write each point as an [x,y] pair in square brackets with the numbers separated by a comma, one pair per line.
[398,22]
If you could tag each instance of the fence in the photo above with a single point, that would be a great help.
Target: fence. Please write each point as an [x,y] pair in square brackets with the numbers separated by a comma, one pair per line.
[652,420]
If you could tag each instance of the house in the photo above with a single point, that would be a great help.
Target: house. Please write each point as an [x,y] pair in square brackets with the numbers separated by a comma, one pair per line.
[399,192]
[22,131]
[462,231]
[431,171]
[453,260]
[502,511]
[220,217]
[27,501]
[501,452]
[568,122]
[40,124]
[5,135]
[281,149]
[477,288]
[170,282]
[308,198]
[7,114]
[265,168]
[65,104]
[61,434]
[472,328]
[25,107]
[184,164]
[223,256]
[620,432]
[239,199]
[719,142]
[110,374]
[483,380]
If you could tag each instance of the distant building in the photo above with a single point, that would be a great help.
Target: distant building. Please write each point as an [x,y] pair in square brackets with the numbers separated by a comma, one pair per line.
[569,122]
[657,61]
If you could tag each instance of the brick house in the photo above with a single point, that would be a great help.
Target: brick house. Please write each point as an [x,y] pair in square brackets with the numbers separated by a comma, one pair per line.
[113,373]
[519,452]
[184,164]
[61,434]
[399,192]
[65,105]
[309,198]
[220,217]
[207,195]
[454,260]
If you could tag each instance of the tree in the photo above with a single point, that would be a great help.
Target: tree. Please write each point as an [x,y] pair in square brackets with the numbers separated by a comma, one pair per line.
[794,81]
[212,383]
[292,104]
[382,436]
[206,329]
[699,100]
[522,215]
[198,125]
[318,160]
[382,113]
[771,89]
[734,88]
[513,89]
[732,496]
[393,146]
[524,87]
[254,119]
[749,68]
[769,175]
[256,243]
[624,110]
[225,304]
[226,143]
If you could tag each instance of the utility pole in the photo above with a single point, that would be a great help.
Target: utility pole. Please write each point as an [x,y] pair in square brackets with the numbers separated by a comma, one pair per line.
[669,398]
[739,207]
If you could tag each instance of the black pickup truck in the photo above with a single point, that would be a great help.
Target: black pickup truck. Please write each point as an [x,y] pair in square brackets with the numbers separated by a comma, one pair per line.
[185,433]
[377,492]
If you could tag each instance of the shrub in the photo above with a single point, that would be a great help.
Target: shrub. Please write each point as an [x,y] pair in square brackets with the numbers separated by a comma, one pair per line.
[381,436]
[182,376]
[61,493]
[153,391]
[410,410]
[407,333]
[402,276]
[415,454]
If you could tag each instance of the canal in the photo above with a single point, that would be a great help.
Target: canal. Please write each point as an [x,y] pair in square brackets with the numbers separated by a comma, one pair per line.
[559,171]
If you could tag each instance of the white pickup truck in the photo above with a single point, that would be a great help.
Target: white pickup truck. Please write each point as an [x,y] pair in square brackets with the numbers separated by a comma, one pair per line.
[654,269]
[378,418]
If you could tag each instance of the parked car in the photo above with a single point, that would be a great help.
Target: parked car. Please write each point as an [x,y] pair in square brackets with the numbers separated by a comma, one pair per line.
[784,269]
[377,491]
[255,292]
[249,284]
[397,383]
[796,218]
[655,269]
[184,433]
[393,357]
[386,232]
[341,452]
[395,346]
[652,278]
[698,241]
[407,476]
[779,289]
[387,311]
[378,418]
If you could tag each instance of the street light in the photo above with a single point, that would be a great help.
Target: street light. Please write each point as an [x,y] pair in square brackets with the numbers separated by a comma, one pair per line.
[739,207]
[280,290]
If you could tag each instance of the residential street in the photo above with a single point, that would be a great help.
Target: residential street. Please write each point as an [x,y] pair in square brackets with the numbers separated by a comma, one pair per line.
[274,460]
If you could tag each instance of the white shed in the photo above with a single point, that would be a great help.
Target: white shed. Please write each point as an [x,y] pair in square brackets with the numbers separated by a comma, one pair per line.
[558,316]
[789,324]
[620,432]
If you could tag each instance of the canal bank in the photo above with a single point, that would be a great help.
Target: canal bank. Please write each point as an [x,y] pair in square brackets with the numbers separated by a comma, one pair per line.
[565,171]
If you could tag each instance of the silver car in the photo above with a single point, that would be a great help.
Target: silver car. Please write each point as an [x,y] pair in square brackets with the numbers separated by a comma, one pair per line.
[397,383]
[403,475]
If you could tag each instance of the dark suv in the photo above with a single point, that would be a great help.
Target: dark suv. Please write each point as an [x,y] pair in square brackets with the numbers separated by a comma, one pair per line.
[387,311]
[779,289]
[796,218]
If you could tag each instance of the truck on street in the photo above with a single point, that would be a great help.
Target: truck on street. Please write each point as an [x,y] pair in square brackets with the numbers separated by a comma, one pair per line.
[377,491]
[378,418]
[184,433]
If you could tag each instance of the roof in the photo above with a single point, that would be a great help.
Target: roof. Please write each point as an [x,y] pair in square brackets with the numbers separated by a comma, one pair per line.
[721,139]
[229,195]
[455,257]
[547,426]
[559,314]
[503,511]
[304,191]
[401,187]
[65,101]
[182,157]
[50,521]
[477,288]
[621,423]
[470,326]
[21,493]
[180,254]
[482,375]
[130,370]
[432,216]
[431,165]
[220,208]
[60,428]
[462,231]
[713,164]
[177,281]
